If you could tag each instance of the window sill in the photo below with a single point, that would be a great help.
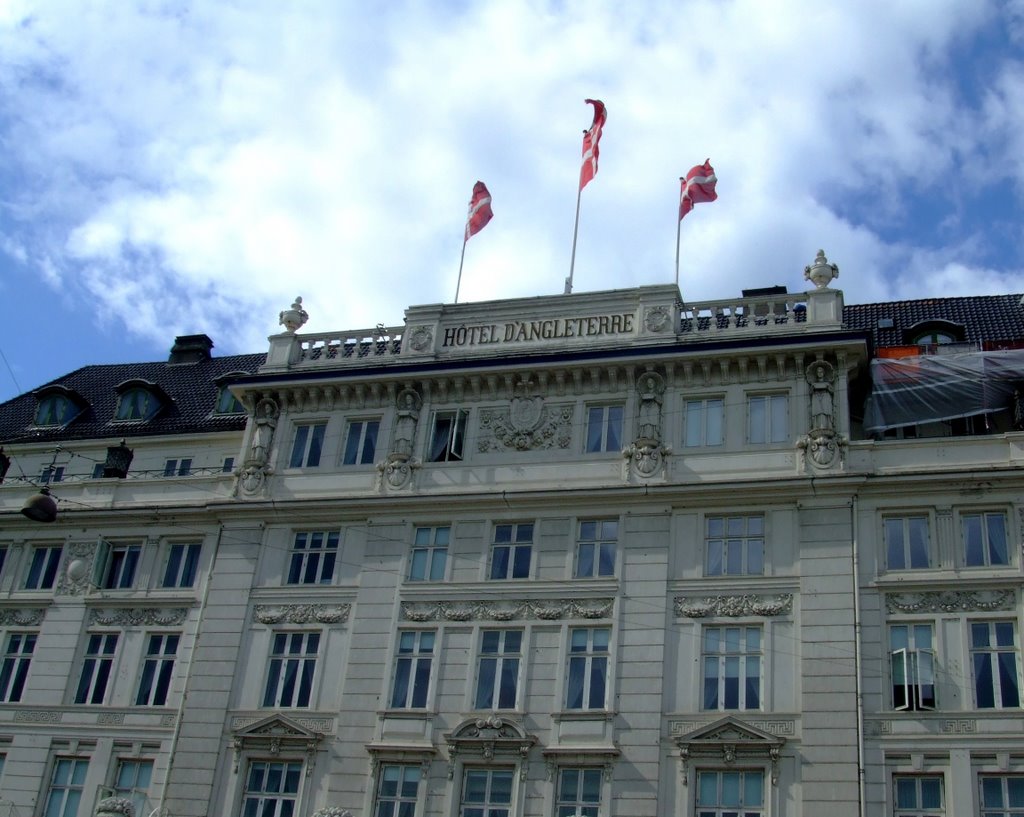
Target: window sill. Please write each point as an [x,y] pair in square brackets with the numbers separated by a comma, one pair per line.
[583,715]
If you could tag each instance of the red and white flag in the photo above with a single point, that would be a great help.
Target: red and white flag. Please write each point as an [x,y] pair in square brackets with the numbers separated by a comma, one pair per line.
[590,139]
[479,210]
[698,186]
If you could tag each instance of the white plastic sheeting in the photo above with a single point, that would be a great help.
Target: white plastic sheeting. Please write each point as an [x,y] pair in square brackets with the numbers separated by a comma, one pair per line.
[930,388]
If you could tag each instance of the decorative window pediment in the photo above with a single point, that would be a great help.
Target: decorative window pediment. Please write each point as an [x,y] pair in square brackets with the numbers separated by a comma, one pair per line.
[934,331]
[276,735]
[489,738]
[729,741]
[57,406]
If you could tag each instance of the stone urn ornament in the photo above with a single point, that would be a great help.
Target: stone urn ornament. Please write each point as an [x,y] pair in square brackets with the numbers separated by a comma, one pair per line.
[292,319]
[821,272]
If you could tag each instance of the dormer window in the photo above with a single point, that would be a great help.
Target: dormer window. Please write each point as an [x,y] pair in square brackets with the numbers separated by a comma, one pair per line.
[56,406]
[227,403]
[139,401]
[934,333]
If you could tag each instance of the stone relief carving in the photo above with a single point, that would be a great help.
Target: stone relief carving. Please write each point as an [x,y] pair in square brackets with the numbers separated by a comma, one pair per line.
[256,468]
[658,318]
[301,613]
[421,338]
[332,811]
[138,616]
[27,617]
[822,447]
[488,610]
[734,606]
[37,716]
[645,458]
[397,468]
[78,568]
[950,601]
[527,425]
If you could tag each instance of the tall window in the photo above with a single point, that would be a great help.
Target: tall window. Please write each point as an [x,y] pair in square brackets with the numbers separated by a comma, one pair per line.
[906,542]
[133,779]
[912,659]
[1002,795]
[768,418]
[271,789]
[448,436]
[703,422]
[429,554]
[397,790]
[122,560]
[732,667]
[735,545]
[604,428]
[412,669]
[99,661]
[730,794]
[157,669]
[511,551]
[43,570]
[994,659]
[182,561]
[985,541]
[486,793]
[14,670]
[579,793]
[595,548]
[497,669]
[918,795]
[588,668]
[308,445]
[312,557]
[67,782]
[291,670]
[361,442]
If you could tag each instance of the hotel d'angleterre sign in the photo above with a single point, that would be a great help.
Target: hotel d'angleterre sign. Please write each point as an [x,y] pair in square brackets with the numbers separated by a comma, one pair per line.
[533,331]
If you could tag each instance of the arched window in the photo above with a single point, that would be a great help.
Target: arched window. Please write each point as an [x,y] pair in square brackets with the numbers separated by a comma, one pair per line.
[57,406]
[139,401]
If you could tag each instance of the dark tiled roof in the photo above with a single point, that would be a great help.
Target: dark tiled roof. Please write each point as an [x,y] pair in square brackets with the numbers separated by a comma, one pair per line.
[983,317]
[192,387]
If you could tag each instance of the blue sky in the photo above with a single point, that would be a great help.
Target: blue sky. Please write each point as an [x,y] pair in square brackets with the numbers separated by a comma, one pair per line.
[172,168]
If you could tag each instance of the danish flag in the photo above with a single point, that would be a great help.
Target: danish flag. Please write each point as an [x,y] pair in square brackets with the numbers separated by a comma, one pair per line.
[590,139]
[479,210]
[698,186]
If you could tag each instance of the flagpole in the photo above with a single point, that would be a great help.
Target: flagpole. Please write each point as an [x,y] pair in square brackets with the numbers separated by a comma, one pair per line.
[462,258]
[575,232]
[679,224]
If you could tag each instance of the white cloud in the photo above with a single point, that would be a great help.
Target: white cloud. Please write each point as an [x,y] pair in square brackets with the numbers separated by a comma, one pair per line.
[206,164]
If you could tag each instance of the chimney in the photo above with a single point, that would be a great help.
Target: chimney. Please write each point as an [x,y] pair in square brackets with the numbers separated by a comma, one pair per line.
[190,349]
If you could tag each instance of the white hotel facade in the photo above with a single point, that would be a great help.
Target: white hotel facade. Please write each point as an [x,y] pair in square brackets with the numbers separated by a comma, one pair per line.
[582,555]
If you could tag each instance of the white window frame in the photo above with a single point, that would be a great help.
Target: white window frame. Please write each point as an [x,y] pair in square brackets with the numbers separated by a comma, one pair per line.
[66,792]
[912,667]
[986,539]
[121,565]
[414,668]
[291,669]
[48,558]
[609,422]
[498,661]
[488,807]
[918,809]
[448,444]
[314,561]
[392,797]
[720,809]
[904,526]
[509,553]
[157,671]
[185,566]
[1002,809]
[359,442]
[742,533]
[19,646]
[131,788]
[990,654]
[308,441]
[588,668]
[97,676]
[576,803]
[428,559]
[597,546]
[263,798]
[700,415]
[771,429]
[723,659]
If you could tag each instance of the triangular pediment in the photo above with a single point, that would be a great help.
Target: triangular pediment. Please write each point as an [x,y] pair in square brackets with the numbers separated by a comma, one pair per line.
[729,730]
[277,726]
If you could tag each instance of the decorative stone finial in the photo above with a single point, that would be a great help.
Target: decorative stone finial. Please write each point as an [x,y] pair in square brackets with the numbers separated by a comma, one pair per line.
[115,807]
[292,319]
[821,271]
